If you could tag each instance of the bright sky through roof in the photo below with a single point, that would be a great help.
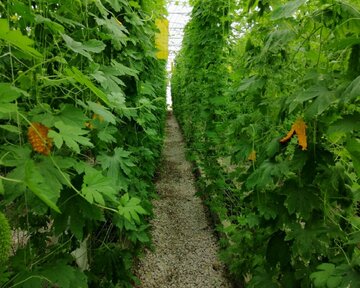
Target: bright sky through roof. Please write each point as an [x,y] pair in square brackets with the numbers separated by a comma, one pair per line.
[179,14]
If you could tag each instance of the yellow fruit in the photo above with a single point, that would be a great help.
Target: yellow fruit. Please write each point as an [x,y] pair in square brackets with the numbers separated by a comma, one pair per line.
[298,128]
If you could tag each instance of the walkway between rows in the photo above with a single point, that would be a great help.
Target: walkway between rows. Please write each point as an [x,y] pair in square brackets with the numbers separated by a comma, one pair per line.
[186,250]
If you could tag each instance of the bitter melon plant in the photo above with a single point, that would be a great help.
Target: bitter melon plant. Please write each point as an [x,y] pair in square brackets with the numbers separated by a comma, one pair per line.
[287,201]
[82,110]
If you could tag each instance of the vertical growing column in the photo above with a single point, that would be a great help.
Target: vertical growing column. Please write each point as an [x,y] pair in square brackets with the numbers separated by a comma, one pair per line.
[200,73]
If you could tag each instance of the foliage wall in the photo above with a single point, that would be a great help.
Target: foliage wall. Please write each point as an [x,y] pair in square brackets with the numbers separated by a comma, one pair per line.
[82,109]
[267,93]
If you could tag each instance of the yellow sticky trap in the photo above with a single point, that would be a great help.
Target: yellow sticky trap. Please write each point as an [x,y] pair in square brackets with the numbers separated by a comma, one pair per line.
[162,38]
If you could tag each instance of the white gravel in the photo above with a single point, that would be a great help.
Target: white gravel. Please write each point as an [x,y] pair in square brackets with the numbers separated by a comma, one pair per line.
[185,253]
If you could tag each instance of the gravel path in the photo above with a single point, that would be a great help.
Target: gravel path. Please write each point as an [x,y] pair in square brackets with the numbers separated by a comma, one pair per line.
[185,253]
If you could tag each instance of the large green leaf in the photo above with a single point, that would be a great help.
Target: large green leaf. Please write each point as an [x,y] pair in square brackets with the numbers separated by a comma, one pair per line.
[9,93]
[75,214]
[123,70]
[264,175]
[116,5]
[262,278]
[325,277]
[107,134]
[352,91]
[55,27]
[56,274]
[303,96]
[287,10]
[320,104]
[278,40]
[82,79]
[95,46]
[6,109]
[41,187]
[346,124]
[307,239]
[102,111]
[71,115]
[119,161]
[117,31]
[130,208]
[301,201]
[70,134]
[331,276]
[15,38]
[97,188]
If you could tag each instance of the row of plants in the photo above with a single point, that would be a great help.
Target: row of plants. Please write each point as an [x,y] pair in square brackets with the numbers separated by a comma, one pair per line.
[267,93]
[82,111]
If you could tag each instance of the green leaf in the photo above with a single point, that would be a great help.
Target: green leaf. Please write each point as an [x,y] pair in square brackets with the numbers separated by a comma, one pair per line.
[130,208]
[97,188]
[7,108]
[15,38]
[9,93]
[11,128]
[307,240]
[102,111]
[262,278]
[71,135]
[117,31]
[115,4]
[55,274]
[302,96]
[107,133]
[70,115]
[353,146]
[347,124]
[263,175]
[55,27]
[40,186]
[109,80]
[15,155]
[82,79]
[65,276]
[352,91]
[119,160]
[287,10]
[75,214]
[324,99]
[277,40]
[273,147]
[343,43]
[123,70]
[354,238]
[134,4]
[326,277]
[92,45]
[251,84]
[302,200]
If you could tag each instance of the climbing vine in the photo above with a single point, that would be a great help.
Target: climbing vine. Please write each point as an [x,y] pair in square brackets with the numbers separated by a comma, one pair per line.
[82,109]
[267,93]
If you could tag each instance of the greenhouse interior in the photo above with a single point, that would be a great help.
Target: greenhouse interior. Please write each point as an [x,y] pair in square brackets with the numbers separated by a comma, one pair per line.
[180,144]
